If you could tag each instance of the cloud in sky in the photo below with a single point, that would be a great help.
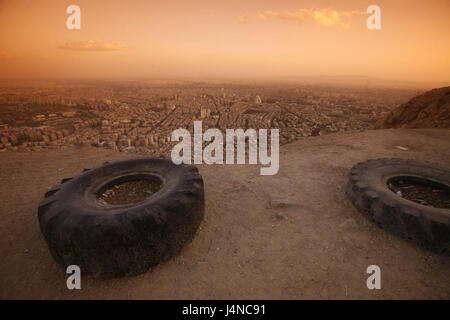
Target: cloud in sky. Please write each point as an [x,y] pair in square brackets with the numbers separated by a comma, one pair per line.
[243,19]
[94,45]
[325,16]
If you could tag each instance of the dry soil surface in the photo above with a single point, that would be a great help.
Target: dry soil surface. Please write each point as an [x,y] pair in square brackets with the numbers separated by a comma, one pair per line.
[318,248]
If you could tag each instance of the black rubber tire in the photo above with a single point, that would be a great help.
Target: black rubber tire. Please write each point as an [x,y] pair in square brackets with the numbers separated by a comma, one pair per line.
[368,191]
[109,241]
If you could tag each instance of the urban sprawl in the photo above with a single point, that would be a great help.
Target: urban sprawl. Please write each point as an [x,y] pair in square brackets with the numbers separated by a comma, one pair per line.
[139,116]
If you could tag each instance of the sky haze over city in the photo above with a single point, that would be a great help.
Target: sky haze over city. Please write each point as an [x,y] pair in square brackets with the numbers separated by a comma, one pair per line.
[232,39]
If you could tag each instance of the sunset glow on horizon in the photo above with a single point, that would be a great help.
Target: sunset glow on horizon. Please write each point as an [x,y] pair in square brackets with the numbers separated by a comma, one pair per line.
[227,39]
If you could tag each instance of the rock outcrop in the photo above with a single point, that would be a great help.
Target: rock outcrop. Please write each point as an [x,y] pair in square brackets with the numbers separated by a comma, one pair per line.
[429,110]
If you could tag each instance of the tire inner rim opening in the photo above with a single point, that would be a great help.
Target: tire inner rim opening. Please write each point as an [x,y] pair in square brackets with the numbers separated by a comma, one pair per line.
[129,189]
[420,190]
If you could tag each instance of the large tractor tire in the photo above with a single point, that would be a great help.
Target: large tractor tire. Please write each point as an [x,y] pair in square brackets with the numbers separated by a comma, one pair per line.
[109,240]
[426,225]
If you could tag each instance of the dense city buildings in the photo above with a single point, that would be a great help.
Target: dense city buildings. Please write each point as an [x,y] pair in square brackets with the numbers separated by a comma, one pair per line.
[139,116]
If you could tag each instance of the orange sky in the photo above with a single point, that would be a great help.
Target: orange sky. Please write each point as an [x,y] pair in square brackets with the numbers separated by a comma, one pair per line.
[225,39]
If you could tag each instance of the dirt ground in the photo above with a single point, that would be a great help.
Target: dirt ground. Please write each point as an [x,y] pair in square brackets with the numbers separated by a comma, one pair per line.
[319,248]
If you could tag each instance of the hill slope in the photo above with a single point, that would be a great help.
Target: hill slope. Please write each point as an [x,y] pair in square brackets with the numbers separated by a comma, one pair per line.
[429,110]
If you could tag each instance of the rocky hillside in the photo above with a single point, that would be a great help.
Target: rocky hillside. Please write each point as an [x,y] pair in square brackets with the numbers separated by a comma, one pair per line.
[429,110]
